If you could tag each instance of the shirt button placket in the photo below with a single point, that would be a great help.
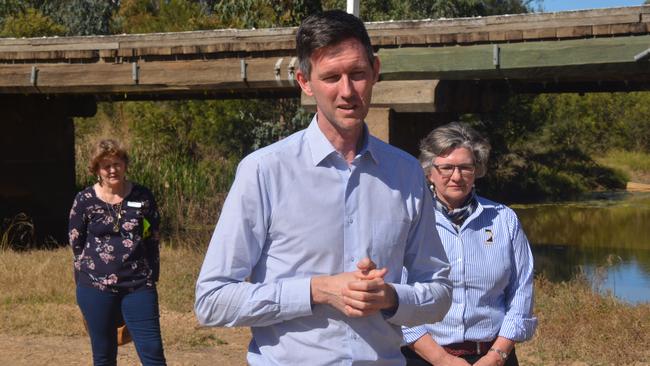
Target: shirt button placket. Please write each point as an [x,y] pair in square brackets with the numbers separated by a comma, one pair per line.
[463,282]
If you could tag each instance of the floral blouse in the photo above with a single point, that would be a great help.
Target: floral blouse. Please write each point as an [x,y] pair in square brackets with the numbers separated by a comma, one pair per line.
[115,247]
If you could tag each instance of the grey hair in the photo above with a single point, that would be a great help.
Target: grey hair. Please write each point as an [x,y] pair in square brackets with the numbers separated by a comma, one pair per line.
[443,139]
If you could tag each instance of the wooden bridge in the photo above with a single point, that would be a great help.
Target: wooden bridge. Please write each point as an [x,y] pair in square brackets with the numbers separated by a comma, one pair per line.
[431,71]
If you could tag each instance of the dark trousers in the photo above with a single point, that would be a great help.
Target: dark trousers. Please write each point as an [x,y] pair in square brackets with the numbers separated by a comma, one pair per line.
[139,309]
[413,359]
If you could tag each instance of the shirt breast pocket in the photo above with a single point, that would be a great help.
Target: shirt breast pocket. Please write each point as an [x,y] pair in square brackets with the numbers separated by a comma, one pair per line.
[388,245]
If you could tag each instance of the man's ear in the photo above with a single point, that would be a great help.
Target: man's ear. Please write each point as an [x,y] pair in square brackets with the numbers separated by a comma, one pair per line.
[304,83]
[376,67]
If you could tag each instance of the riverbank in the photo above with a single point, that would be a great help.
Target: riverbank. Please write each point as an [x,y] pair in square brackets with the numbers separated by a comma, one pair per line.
[41,325]
[637,187]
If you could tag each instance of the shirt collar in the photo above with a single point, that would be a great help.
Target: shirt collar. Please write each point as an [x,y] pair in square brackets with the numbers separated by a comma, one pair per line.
[321,147]
[370,145]
[319,144]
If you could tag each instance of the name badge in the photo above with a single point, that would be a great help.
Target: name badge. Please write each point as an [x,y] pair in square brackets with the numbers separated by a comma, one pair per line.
[134,204]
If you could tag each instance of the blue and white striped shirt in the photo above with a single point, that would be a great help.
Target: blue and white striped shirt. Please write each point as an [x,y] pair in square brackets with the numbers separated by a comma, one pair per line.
[492,276]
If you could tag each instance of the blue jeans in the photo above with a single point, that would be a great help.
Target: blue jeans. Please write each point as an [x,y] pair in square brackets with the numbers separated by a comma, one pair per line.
[140,312]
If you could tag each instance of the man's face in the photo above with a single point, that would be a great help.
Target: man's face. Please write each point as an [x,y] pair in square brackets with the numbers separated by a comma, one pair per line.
[341,81]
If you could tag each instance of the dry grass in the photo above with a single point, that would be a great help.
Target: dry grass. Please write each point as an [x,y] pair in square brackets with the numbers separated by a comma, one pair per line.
[634,164]
[577,326]
[37,297]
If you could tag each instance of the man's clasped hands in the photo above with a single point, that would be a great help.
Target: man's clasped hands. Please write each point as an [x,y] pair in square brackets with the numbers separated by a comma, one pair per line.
[356,294]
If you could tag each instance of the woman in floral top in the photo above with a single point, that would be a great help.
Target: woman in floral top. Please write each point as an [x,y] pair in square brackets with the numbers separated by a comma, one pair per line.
[115,241]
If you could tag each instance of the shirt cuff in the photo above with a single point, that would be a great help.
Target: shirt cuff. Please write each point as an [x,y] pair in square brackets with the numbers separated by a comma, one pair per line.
[518,330]
[406,305]
[295,297]
[413,334]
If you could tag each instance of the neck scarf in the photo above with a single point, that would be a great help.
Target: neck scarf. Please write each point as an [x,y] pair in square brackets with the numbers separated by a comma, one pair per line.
[457,216]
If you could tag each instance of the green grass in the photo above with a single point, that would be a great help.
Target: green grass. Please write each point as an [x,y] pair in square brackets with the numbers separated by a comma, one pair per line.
[189,190]
[635,164]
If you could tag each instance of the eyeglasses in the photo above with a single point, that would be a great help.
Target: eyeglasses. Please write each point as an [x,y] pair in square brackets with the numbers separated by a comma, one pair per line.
[447,170]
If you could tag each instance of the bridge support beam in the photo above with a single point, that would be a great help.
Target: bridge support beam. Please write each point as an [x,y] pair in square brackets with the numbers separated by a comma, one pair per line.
[38,166]
[407,129]
[403,112]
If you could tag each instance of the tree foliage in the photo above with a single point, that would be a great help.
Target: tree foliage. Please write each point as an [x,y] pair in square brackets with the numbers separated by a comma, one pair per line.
[30,23]
[82,17]
[264,13]
[32,18]
[543,146]
[149,16]
[378,10]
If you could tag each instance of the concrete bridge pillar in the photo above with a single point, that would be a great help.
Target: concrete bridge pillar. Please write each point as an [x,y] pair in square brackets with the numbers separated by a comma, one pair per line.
[404,130]
[38,166]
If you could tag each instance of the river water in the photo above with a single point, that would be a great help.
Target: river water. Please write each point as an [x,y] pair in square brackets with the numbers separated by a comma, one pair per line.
[606,238]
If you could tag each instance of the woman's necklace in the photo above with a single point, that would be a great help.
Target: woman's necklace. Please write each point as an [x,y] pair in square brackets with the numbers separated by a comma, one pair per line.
[118,215]
[112,208]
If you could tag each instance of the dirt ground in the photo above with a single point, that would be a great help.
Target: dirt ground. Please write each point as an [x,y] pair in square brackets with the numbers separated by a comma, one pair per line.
[75,351]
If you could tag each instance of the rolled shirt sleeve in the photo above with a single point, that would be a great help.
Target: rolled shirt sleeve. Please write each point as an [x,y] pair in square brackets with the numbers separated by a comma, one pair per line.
[519,324]
[412,334]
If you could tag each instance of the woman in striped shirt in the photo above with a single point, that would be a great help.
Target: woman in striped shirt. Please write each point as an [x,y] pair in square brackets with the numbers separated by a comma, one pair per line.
[490,257]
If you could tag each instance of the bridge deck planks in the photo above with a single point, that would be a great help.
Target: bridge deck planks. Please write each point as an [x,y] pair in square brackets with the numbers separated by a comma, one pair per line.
[158,76]
[592,40]
[503,28]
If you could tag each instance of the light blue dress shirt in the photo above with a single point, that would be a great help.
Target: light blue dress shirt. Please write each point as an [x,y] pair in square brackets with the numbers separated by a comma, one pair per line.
[492,275]
[296,210]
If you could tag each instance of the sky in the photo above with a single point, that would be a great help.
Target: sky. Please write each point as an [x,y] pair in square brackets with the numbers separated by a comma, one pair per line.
[561,5]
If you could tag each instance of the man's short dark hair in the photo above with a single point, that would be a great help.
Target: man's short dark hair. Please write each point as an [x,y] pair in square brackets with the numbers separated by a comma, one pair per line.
[327,29]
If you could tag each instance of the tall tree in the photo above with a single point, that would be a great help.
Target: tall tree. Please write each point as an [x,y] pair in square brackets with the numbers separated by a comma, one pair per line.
[375,10]
[30,23]
[264,13]
[82,17]
[149,16]
[30,18]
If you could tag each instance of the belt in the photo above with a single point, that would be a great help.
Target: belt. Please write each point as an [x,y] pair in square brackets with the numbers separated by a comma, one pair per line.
[468,348]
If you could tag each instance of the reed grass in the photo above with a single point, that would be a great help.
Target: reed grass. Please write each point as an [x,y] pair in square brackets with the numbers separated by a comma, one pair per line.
[17,232]
[576,323]
[189,190]
[635,164]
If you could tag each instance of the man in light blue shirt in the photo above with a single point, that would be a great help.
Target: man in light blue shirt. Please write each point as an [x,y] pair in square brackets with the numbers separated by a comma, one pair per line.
[321,224]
